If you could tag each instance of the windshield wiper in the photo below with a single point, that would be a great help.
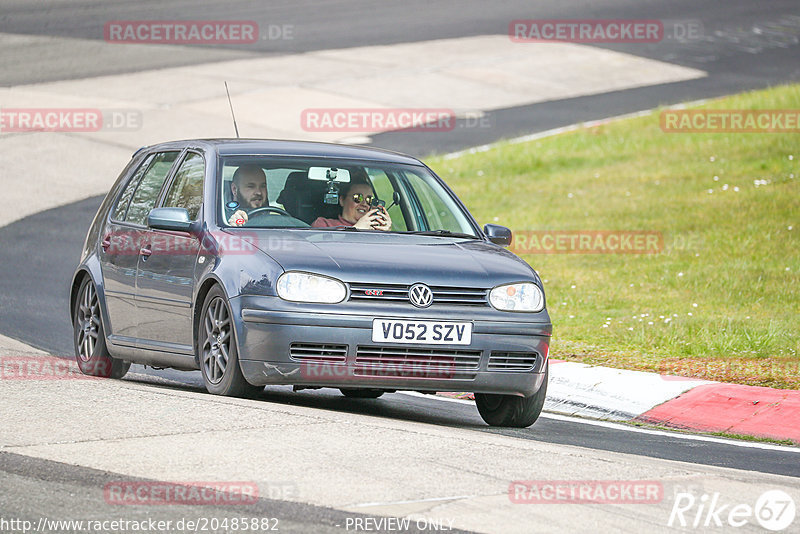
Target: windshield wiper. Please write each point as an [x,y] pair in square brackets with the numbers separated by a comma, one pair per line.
[444,233]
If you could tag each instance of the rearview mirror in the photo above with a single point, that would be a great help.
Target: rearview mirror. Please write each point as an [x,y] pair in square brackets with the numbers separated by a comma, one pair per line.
[175,219]
[499,235]
[331,174]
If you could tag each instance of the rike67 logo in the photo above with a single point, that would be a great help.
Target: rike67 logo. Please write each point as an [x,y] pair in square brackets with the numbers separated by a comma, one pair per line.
[774,510]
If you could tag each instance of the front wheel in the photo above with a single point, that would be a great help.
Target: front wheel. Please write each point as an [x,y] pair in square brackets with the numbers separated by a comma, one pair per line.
[89,338]
[216,342]
[510,410]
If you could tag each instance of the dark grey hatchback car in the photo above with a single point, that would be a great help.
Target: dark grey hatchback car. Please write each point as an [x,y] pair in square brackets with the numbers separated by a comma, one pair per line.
[244,259]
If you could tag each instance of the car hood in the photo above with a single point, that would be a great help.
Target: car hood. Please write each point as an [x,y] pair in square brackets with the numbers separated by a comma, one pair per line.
[374,257]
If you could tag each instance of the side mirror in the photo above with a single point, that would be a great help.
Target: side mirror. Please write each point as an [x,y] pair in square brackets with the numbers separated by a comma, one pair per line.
[499,235]
[174,219]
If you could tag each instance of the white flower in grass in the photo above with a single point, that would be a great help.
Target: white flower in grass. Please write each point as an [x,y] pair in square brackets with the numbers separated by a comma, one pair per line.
[791,157]
[605,326]
[694,304]
[480,173]
[649,322]
[712,158]
[630,328]
[680,274]
[571,316]
[725,187]
[689,314]
[710,191]
[716,178]
[495,219]
[573,286]
[570,195]
[788,227]
[736,189]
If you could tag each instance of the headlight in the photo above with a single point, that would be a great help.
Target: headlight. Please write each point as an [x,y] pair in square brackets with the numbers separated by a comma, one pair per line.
[305,287]
[524,297]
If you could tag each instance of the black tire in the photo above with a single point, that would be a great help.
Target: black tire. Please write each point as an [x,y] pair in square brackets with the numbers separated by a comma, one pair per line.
[361,393]
[217,349]
[88,336]
[510,410]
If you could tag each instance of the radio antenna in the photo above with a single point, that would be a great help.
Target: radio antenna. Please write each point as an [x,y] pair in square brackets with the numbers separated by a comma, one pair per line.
[232,114]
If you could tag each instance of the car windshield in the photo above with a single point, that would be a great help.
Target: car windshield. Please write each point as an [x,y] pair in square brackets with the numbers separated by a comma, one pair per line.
[290,192]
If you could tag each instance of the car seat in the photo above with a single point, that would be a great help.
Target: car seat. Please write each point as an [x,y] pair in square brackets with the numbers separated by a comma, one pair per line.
[304,198]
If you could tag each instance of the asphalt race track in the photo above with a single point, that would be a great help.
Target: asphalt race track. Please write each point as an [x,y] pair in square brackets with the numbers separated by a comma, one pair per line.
[39,252]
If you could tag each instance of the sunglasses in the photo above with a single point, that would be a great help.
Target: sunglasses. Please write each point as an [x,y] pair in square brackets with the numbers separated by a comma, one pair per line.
[358,198]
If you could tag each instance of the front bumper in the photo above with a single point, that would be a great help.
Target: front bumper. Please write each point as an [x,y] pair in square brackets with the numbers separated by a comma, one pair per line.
[318,345]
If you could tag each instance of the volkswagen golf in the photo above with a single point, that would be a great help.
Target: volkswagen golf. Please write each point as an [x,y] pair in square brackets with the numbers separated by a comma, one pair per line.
[315,265]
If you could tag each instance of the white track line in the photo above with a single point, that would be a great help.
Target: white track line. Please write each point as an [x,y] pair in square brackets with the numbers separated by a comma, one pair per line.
[629,428]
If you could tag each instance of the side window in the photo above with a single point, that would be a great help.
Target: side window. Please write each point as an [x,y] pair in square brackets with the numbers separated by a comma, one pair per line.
[439,209]
[125,198]
[385,191]
[186,190]
[146,195]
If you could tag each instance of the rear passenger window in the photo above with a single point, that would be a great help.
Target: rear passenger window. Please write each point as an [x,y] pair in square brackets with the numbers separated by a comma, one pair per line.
[146,195]
[125,198]
[186,190]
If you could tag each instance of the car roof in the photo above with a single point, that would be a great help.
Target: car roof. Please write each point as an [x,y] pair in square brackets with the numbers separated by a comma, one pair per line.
[277,147]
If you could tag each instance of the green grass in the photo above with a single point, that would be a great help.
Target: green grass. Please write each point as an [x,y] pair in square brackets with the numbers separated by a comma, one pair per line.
[728,277]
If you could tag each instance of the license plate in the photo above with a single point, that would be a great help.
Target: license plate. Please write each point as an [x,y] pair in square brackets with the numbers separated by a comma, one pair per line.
[427,332]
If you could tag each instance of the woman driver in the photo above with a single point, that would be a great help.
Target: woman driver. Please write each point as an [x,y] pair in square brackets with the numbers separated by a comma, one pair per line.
[355,201]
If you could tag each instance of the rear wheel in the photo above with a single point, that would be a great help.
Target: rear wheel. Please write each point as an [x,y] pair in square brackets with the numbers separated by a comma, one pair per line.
[510,410]
[89,337]
[362,393]
[216,342]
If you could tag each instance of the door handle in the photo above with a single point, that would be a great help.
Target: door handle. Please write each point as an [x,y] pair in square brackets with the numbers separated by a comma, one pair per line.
[145,252]
[106,243]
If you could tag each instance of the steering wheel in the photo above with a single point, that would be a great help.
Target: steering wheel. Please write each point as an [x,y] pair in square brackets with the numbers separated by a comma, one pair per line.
[265,209]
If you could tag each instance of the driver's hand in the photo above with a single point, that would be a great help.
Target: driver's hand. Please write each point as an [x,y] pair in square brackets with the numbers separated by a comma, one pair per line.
[238,218]
[375,219]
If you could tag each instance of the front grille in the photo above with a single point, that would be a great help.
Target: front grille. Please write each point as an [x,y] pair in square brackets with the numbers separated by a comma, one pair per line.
[512,361]
[317,352]
[464,296]
[408,362]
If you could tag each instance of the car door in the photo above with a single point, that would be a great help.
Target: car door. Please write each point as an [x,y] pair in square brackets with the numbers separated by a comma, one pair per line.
[165,270]
[120,243]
